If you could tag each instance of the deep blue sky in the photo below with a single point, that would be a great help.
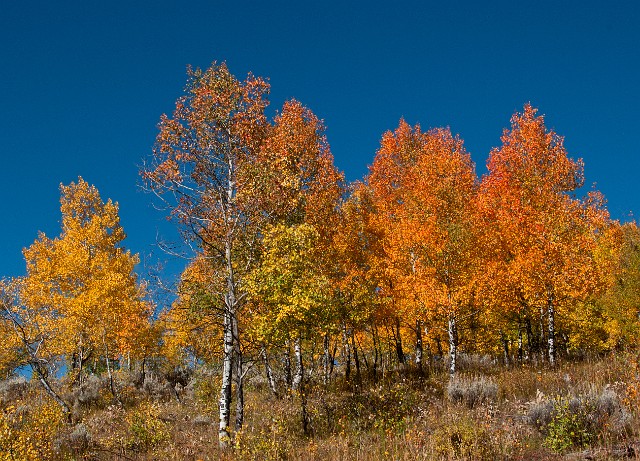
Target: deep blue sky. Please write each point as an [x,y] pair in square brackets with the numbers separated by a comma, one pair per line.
[82,86]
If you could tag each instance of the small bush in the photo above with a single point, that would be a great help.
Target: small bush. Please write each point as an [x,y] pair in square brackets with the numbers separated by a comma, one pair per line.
[202,420]
[27,433]
[80,437]
[568,422]
[540,411]
[569,426]
[205,389]
[157,388]
[476,363]
[464,438]
[472,392]
[74,443]
[88,393]
[382,407]
[145,428]
[13,389]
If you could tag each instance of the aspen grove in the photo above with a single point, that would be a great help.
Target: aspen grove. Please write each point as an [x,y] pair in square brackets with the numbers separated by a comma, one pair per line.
[306,284]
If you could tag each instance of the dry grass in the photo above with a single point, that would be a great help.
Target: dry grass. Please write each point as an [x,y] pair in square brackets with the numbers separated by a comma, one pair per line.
[508,414]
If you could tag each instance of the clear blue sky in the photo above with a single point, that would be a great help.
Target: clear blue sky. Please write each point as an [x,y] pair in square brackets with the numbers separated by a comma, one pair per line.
[82,86]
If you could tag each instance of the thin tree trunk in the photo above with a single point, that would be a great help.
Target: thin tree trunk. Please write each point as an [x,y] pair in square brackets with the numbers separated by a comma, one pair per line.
[139,382]
[374,335]
[565,344]
[230,311]
[326,358]
[303,407]
[505,350]
[346,351]
[453,344]
[80,359]
[112,386]
[288,377]
[398,338]
[239,377]
[419,346]
[541,340]
[356,360]
[224,403]
[552,338]
[333,358]
[42,377]
[299,376]
[299,385]
[267,368]
[530,339]
[363,355]
[520,345]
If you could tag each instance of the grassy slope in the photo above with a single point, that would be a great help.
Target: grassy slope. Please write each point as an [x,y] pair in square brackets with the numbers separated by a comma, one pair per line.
[401,416]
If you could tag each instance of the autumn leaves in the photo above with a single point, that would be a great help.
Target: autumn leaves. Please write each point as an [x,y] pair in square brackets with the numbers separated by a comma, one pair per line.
[421,246]
[424,189]
[258,199]
[287,256]
[80,300]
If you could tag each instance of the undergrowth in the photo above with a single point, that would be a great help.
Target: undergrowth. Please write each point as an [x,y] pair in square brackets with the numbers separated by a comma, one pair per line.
[492,413]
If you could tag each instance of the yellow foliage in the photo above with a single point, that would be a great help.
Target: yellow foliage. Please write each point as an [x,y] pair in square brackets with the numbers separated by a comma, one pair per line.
[27,432]
[144,427]
[191,326]
[289,291]
[80,291]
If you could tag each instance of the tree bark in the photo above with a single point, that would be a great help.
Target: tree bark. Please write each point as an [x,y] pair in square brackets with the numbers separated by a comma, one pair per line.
[299,385]
[453,344]
[551,320]
[398,338]
[299,375]
[530,339]
[346,353]
[541,340]
[224,437]
[112,386]
[79,360]
[374,336]
[520,345]
[267,368]
[356,360]
[42,377]
[239,366]
[419,346]
[333,358]
[505,350]
[326,359]
[288,377]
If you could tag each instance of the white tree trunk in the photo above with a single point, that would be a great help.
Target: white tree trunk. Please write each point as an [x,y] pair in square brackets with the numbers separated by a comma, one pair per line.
[298,384]
[230,333]
[42,377]
[267,368]
[453,344]
[419,346]
[299,375]
[552,330]
[224,437]
[239,377]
